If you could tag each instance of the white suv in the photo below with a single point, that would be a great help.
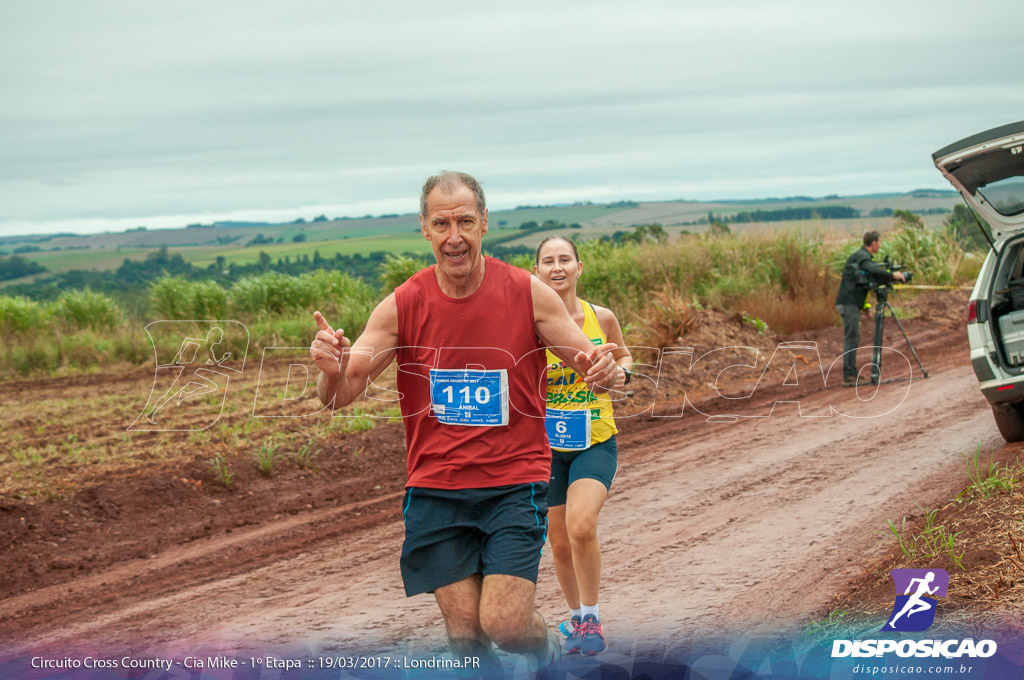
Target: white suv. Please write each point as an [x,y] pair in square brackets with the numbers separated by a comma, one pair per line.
[988,171]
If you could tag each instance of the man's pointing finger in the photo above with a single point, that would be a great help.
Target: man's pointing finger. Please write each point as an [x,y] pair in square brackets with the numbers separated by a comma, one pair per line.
[322,322]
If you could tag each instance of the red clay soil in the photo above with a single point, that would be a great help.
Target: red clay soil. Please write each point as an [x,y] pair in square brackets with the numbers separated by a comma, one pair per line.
[744,523]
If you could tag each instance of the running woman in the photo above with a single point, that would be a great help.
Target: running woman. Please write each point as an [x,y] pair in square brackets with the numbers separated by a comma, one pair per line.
[581,430]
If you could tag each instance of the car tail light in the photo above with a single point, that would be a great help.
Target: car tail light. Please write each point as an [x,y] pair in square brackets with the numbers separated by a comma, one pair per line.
[972,311]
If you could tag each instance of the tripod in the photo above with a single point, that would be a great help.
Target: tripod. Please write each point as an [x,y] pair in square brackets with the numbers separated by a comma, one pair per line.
[882,296]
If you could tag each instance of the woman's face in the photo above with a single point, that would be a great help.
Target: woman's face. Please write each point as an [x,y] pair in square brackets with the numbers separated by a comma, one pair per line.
[557,266]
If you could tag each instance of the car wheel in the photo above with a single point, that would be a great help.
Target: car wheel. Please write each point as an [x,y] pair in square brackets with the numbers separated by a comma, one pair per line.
[1010,421]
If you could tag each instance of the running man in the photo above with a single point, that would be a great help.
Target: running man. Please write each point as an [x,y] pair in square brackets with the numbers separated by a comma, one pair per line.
[468,334]
[915,604]
[583,462]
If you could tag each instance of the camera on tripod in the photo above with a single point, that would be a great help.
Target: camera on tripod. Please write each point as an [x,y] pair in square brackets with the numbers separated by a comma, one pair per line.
[874,282]
[881,284]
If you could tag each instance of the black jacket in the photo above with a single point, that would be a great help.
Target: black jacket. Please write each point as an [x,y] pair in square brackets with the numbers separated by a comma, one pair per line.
[851,292]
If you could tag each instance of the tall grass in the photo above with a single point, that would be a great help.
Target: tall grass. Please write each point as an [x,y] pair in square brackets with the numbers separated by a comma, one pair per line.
[266,296]
[787,279]
[933,255]
[20,316]
[83,328]
[85,309]
[783,279]
[668,317]
[397,269]
[276,309]
[172,297]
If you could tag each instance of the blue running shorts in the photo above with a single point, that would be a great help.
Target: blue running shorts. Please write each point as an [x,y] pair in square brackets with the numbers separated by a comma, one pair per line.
[596,462]
[451,534]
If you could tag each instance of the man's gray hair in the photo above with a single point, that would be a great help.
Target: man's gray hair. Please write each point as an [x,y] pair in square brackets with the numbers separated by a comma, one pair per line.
[449,181]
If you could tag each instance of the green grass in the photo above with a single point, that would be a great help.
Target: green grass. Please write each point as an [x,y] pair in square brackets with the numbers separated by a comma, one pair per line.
[906,542]
[759,325]
[567,214]
[825,627]
[66,260]
[392,243]
[933,541]
[358,421]
[222,473]
[986,481]
[202,256]
[937,540]
[305,456]
[266,457]
[199,438]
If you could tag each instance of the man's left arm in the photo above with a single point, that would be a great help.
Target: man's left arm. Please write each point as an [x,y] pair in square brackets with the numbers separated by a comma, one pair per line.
[568,342]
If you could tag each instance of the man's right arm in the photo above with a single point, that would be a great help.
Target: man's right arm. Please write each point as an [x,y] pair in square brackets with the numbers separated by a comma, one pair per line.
[880,271]
[346,371]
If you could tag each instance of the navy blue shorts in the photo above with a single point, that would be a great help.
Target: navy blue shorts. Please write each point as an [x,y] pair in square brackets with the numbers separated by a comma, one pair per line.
[451,534]
[596,462]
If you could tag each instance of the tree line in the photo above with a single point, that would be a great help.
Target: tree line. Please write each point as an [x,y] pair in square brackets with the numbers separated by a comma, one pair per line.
[15,267]
[824,212]
[129,283]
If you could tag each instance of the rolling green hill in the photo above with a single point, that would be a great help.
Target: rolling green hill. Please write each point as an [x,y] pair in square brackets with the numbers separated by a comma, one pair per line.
[202,244]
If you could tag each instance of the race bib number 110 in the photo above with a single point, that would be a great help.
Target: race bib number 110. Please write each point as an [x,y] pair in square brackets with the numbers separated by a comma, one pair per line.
[463,396]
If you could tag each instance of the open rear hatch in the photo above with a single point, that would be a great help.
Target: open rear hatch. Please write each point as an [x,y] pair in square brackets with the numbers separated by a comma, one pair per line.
[988,171]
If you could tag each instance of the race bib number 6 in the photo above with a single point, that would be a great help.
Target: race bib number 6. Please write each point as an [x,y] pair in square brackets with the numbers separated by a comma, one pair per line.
[473,397]
[568,430]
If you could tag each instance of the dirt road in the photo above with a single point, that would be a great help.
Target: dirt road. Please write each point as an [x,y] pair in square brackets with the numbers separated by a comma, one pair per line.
[710,527]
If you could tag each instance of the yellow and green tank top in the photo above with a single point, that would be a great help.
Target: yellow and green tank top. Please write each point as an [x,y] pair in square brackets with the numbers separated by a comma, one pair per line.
[567,391]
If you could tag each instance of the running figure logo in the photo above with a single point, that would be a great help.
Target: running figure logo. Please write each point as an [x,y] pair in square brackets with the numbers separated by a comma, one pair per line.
[196,374]
[913,610]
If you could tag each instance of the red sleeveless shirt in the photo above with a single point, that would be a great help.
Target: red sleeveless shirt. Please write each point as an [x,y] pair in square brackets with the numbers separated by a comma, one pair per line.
[492,329]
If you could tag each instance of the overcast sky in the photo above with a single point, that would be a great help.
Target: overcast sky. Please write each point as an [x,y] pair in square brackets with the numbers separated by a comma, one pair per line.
[119,114]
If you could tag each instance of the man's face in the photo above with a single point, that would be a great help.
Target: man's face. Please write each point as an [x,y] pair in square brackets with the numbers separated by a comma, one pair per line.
[875,245]
[455,230]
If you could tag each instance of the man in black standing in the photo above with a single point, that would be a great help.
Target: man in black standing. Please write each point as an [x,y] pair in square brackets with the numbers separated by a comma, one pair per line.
[851,297]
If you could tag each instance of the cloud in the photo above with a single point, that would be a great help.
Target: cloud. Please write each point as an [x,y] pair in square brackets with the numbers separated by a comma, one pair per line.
[134,111]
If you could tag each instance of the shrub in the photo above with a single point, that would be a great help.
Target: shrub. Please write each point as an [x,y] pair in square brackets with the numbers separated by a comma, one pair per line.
[523,261]
[206,300]
[173,297]
[781,278]
[932,255]
[274,295]
[396,270]
[85,309]
[21,316]
[264,295]
[33,359]
[667,317]
[165,299]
